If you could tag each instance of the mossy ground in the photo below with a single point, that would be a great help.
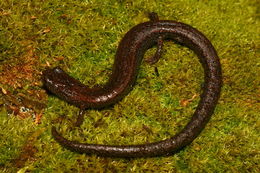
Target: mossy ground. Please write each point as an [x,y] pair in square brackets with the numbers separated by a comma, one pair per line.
[82,36]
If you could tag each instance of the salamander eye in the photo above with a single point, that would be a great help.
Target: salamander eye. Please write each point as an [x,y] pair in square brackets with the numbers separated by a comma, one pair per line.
[58,70]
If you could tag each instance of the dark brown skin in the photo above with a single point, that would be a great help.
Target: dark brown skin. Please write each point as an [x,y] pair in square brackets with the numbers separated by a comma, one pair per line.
[127,62]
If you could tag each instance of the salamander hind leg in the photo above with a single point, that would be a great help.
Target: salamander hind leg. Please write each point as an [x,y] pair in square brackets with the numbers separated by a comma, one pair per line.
[155,58]
[158,54]
[153,16]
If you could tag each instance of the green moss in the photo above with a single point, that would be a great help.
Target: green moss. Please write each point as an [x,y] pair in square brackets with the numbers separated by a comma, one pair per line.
[79,34]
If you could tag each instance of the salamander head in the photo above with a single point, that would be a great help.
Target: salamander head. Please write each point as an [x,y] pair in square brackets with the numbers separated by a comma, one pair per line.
[64,86]
[55,79]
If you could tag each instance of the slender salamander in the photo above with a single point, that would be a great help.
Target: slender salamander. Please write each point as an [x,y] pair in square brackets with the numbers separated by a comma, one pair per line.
[128,58]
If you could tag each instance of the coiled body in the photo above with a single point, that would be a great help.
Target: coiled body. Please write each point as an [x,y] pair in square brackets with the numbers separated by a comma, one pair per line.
[128,58]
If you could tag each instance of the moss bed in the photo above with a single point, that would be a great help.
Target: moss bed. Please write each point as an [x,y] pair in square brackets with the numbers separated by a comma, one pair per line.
[82,36]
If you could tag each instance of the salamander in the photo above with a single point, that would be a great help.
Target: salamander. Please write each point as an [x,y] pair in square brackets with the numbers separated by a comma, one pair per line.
[127,62]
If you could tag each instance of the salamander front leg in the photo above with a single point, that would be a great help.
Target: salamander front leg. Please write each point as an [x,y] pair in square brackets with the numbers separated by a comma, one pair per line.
[80,118]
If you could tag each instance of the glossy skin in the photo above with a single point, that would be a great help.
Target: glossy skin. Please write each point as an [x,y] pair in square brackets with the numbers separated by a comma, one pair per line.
[127,62]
